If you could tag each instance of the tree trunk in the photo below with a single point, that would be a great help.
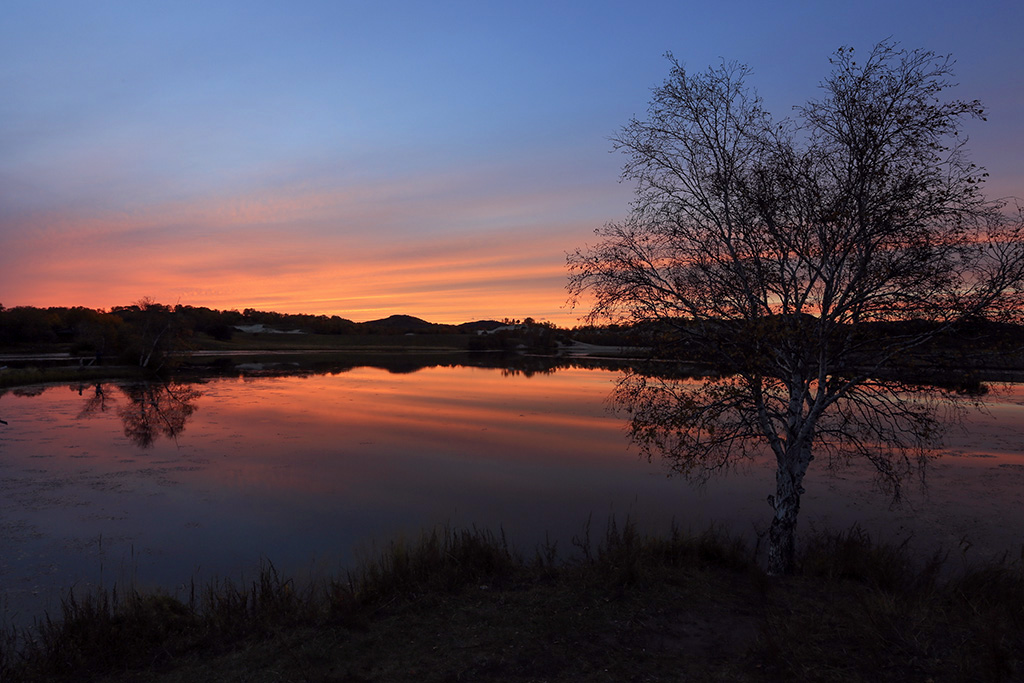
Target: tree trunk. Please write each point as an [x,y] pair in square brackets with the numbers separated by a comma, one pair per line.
[144,358]
[782,534]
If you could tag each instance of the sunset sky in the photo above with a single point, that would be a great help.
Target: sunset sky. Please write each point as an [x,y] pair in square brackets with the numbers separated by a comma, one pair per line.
[367,158]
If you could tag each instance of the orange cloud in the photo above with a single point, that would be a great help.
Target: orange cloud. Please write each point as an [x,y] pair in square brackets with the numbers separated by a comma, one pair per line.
[360,252]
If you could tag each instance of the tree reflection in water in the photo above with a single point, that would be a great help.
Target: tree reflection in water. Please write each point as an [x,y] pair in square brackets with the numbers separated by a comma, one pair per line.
[97,403]
[152,409]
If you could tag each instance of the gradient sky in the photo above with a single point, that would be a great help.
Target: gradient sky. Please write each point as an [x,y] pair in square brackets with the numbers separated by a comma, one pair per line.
[356,158]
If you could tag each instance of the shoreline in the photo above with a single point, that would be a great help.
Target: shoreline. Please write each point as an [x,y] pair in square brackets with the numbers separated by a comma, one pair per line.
[461,604]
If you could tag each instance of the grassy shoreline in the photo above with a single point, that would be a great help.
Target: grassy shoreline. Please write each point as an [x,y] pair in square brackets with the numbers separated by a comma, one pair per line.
[208,357]
[27,376]
[464,605]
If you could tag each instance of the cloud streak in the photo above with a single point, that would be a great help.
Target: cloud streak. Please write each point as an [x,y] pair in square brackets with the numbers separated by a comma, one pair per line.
[363,159]
[431,247]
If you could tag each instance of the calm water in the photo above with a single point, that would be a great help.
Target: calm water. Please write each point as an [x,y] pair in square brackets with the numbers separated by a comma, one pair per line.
[104,484]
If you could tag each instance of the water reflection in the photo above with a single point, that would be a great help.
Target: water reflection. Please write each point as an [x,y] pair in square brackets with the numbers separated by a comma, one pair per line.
[152,409]
[318,466]
[279,364]
[155,409]
[97,402]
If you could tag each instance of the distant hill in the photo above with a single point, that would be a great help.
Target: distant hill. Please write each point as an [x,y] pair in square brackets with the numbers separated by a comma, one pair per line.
[400,322]
[479,325]
[409,323]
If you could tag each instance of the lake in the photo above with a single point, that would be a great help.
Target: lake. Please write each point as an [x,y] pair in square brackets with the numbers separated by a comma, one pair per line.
[110,483]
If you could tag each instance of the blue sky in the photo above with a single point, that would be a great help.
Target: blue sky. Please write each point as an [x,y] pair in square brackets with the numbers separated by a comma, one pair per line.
[368,158]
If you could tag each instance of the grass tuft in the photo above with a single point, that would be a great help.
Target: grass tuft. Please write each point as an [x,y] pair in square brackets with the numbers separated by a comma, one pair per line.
[441,560]
[852,555]
[460,604]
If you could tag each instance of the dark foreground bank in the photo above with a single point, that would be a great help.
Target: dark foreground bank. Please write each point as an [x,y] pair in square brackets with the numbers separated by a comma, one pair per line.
[463,606]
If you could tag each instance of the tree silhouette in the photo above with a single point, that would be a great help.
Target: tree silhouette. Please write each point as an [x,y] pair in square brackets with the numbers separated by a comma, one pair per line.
[810,261]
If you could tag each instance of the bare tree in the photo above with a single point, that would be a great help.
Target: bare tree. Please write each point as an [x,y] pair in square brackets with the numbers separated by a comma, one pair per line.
[810,261]
[155,334]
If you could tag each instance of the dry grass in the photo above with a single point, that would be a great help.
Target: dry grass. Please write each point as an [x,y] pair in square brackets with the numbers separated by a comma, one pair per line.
[462,605]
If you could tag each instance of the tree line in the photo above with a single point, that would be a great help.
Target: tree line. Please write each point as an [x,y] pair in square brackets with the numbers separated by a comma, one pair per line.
[144,332]
[141,332]
[86,329]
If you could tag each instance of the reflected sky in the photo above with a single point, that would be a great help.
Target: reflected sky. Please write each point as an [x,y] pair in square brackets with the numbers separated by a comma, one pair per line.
[311,471]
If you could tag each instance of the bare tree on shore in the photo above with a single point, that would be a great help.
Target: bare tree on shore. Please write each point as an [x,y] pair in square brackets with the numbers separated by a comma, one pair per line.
[811,261]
